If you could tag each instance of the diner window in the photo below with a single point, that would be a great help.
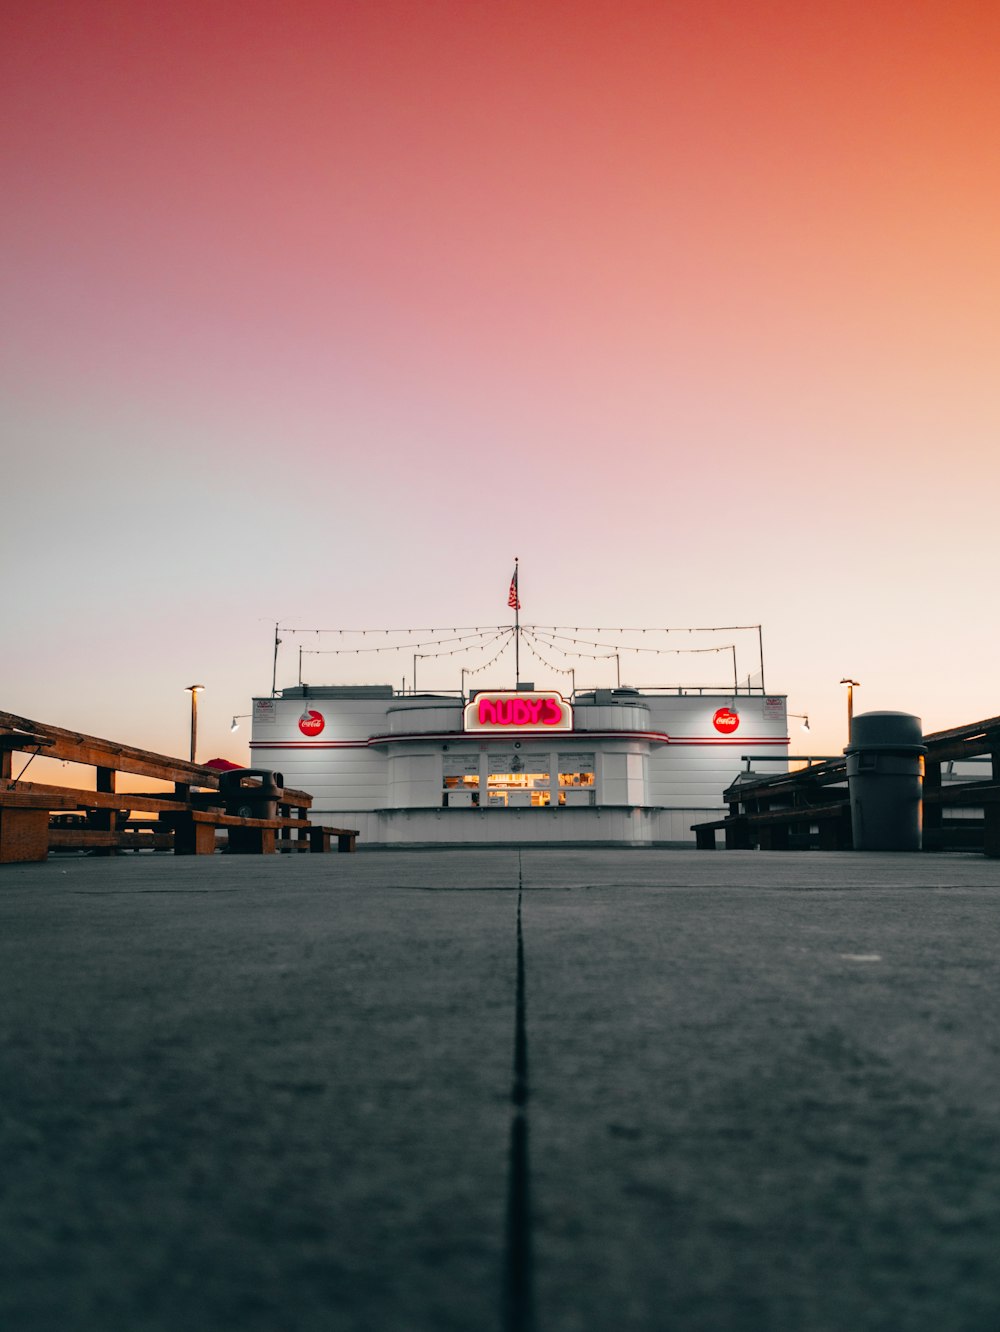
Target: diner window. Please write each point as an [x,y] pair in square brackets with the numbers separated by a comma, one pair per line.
[460,779]
[518,781]
[576,779]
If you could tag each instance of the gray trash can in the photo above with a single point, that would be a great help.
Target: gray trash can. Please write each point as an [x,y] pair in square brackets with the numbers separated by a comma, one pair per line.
[885,781]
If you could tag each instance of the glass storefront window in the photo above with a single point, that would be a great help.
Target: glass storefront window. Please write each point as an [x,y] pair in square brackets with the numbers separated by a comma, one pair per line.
[460,778]
[576,779]
[518,780]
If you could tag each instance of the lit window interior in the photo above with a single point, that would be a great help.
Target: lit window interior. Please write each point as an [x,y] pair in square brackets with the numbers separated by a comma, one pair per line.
[518,780]
[460,776]
[576,779]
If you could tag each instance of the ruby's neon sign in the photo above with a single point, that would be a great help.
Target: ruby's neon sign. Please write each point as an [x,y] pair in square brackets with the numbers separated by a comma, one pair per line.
[518,712]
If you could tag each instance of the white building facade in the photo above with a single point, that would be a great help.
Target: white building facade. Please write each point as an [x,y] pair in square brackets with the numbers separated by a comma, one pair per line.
[614,766]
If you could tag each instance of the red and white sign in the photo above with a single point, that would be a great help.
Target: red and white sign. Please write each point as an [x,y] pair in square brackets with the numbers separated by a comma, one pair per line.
[726,721]
[311,722]
[511,711]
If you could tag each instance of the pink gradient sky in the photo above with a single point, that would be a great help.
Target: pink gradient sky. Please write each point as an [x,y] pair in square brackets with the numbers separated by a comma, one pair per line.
[322,312]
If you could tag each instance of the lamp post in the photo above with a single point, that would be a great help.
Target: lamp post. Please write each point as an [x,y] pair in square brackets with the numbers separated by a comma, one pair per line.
[193,689]
[851,684]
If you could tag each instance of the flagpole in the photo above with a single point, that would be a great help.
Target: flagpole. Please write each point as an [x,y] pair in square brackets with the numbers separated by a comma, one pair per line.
[517,628]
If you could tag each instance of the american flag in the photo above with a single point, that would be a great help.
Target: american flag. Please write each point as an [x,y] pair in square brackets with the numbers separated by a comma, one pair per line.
[513,600]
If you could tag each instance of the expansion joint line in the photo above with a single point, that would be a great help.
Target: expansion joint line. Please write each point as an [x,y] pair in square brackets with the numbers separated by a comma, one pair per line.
[519,1314]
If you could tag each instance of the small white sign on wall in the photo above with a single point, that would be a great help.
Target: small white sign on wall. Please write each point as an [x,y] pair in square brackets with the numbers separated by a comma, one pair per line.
[774,709]
[264,711]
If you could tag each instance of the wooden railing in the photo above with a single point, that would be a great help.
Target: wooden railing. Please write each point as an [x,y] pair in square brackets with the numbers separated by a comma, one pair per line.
[810,807]
[187,818]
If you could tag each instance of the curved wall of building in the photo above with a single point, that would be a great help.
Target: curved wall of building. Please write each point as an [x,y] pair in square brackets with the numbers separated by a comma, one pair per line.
[611,717]
[415,716]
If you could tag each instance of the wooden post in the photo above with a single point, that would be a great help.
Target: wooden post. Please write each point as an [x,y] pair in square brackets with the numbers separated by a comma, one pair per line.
[24,835]
[319,838]
[192,838]
[991,830]
[251,841]
[104,819]
[933,810]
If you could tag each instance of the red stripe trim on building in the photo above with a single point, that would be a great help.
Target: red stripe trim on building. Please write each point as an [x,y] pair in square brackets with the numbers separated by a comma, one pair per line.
[481,737]
[728,740]
[308,744]
[474,737]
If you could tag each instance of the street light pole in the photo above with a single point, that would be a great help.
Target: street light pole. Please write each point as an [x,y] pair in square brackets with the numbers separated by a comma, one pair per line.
[194,717]
[851,684]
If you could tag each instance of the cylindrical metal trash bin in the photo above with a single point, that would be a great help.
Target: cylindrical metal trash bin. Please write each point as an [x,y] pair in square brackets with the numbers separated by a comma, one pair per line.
[885,779]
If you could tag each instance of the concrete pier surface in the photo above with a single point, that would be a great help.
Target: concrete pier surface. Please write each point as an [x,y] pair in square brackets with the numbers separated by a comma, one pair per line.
[754,1091]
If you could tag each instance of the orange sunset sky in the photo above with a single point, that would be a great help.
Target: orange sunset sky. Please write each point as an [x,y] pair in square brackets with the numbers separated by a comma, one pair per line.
[320,313]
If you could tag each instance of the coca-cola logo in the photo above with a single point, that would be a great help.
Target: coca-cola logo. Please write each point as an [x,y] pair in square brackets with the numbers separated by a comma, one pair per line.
[726,721]
[311,722]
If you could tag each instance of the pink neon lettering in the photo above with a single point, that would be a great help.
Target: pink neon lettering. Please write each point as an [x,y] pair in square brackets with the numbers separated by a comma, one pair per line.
[553,712]
[519,712]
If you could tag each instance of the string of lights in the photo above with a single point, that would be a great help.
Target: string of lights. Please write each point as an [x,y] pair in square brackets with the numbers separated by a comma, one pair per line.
[442,629]
[541,628]
[593,656]
[553,640]
[567,641]
[490,635]
[455,652]
[530,644]
[639,629]
[477,670]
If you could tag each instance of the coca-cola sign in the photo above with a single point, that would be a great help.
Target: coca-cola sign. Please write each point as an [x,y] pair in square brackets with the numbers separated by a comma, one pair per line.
[726,720]
[311,722]
[510,711]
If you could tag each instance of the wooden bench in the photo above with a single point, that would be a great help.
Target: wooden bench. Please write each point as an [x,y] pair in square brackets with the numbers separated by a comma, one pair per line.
[976,742]
[187,817]
[734,827]
[771,829]
[319,838]
[769,810]
[984,796]
[195,830]
[766,810]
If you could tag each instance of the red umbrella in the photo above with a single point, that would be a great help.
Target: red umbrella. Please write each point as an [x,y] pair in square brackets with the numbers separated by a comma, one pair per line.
[222,765]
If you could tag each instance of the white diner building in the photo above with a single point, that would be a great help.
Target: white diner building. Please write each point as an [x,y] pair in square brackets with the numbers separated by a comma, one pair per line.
[618,766]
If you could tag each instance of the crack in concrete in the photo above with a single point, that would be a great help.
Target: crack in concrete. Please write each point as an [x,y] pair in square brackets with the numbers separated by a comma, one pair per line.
[519,1308]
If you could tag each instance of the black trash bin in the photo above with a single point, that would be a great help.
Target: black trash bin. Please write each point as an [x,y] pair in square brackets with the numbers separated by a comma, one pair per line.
[252,793]
[885,780]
